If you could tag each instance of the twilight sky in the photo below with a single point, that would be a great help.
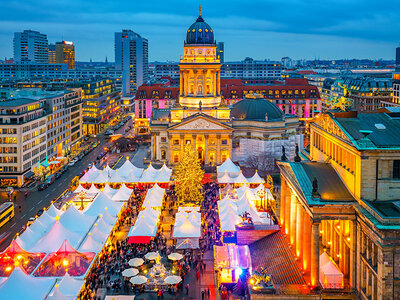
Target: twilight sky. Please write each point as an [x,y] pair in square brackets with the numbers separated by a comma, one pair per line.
[262,29]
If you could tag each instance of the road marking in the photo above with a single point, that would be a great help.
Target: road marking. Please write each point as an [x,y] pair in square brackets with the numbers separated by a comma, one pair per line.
[13,225]
[53,189]
[60,184]
[40,201]
[47,195]
[23,216]
[32,209]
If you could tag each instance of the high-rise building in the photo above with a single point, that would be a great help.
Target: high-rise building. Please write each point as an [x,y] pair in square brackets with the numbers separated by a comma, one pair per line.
[131,56]
[65,53]
[52,53]
[220,51]
[31,46]
[398,56]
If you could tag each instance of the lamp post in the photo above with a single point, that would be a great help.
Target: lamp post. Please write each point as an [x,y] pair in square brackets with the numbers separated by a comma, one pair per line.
[262,194]
[82,195]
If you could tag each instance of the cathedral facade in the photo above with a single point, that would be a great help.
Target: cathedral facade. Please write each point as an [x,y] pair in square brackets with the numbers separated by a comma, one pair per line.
[202,119]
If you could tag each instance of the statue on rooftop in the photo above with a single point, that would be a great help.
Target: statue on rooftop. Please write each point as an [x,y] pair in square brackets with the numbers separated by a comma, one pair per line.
[283,157]
[315,187]
[297,157]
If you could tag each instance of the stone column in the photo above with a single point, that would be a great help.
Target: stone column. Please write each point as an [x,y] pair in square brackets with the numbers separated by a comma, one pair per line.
[299,230]
[218,83]
[181,83]
[206,160]
[287,209]
[186,83]
[293,215]
[353,249]
[306,242]
[194,142]
[307,112]
[218,158]
[214,83]
[283,200]
[314,254]
[155,146]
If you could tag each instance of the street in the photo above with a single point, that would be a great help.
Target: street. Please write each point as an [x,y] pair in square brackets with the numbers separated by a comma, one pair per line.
[42,199]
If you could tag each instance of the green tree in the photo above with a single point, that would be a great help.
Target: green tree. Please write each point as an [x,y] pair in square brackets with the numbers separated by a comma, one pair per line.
[188,176]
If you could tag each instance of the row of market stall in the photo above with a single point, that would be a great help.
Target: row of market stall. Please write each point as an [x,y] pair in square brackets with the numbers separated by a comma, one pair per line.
[51,258]
[127,173]
[230,173]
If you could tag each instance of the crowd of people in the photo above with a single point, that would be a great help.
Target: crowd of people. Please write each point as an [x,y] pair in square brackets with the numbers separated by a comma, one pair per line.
[106,273]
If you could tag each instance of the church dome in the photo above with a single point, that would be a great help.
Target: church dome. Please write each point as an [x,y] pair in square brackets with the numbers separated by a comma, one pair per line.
[200,33]
[255,109]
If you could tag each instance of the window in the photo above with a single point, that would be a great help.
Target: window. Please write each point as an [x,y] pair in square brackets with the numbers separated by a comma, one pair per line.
[396,169]
[224,142]
[164,140]
[176,142]
[163,154]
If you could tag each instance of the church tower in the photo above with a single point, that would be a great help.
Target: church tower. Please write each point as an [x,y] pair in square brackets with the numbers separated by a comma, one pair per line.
[200,68]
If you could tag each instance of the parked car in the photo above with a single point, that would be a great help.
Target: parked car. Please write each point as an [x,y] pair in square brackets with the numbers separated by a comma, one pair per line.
[58,174]
[42,186]
[40,212]
[71,163]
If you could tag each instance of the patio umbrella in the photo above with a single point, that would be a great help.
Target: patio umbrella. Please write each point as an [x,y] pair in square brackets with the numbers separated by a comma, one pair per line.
[175,256]
[136,262]
[130,272]
[138,279]
[172,279]
[152,255]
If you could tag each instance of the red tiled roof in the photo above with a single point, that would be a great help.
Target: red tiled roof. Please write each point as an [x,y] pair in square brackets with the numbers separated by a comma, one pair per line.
[306,72]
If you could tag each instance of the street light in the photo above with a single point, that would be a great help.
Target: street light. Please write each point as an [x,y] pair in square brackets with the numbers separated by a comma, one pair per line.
[262,194]
[82,195]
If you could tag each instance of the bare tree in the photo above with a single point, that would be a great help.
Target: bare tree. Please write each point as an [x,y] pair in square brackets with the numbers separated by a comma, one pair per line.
[263,162]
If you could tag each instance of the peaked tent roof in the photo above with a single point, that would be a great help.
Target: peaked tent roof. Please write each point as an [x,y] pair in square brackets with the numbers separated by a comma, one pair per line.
[53,240]
[22,286]
[109,191]
[131,177]
[108,219]
[123,193]
[69,286]
[57,295]
[102,203]
[187,230]
[91,245]
[80,188]
[53,211]
[128,167]
[93,190]
[115,178]
[102,178]
[228,166]
[76,221]
[255,178]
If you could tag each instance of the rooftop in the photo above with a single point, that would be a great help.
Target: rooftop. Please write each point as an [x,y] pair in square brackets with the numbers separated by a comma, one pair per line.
[17,102]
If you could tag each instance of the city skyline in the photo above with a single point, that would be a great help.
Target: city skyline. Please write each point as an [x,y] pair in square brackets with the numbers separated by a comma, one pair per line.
[294,29]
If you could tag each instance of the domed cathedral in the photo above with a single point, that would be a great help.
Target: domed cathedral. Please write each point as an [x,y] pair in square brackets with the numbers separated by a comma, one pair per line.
[201,119]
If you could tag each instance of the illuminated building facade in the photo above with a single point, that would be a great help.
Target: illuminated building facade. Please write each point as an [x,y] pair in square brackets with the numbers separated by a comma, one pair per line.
[101,104]
[132,59]
[395,101]
[52,53]
[344,201]
[65,53]
[195,113]
[31,46]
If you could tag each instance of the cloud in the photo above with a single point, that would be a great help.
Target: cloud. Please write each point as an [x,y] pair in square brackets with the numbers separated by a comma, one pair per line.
[263,29]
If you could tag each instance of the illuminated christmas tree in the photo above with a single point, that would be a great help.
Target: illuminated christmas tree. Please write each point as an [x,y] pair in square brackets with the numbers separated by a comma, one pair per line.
[188,176]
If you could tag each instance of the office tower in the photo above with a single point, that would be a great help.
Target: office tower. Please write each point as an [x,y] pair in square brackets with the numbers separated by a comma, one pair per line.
[65,54]
[52,53]
[31,46]
[398,56]
[131,57]
[220,51]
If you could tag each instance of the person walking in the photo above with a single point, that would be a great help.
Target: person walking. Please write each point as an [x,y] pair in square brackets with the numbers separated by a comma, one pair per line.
[187,289]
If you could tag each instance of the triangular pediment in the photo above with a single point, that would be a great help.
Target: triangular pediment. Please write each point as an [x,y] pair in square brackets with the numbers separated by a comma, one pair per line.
[200,122]
[328,124]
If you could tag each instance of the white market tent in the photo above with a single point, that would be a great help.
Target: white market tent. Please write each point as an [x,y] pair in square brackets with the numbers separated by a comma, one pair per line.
[57,295]
[90,175]
[330,276]
[76,221]
[229,177]
[80,188]
[187,230]
[70,286]
[122,194]
[128,168]
[90,245]
[255,178]
[131,177]
[149,175]
[46,220]
[53,211]
[108,219]
[115,178]
[229,220]
[109,191]
[93,190]
[146,223]
[102,203]
[107,171]
[228,166]
[21,286]
[101,178]
[154,197]
[98,235]
[103,226]
[53,240]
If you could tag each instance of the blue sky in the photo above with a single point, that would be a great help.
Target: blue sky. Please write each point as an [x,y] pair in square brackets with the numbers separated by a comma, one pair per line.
[269,29]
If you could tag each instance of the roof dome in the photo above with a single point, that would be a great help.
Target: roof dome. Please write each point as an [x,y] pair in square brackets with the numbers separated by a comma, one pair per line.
[200,33]
[256,109]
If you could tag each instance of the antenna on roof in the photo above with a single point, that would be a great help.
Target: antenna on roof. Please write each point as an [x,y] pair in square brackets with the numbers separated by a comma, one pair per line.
[199,9]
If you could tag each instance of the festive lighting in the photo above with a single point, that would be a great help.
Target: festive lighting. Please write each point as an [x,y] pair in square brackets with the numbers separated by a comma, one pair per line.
[8,269]
[189,174]
[348,239]
[238,271]
[65,262]
[252,281]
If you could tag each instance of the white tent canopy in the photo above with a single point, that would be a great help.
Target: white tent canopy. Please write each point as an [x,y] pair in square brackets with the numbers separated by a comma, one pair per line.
[115,178]
[69,286]
[76,221]
[330,276]
[146,223]
[53,211]
[101,178]
[123,193]
[255,178]
[22,286]
[101,203]
[109,191]
[80,188]
[187,225]
[90,175]
[90,245]
[228,166]
[93,190]
[128,168]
